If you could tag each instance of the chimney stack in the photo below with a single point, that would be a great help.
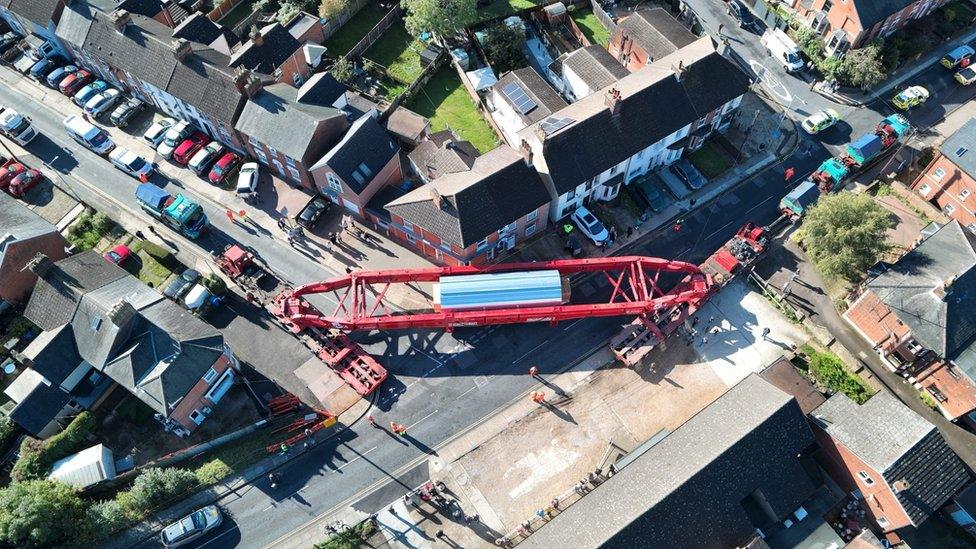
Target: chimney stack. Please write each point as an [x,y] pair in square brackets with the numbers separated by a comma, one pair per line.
[120,18]
[256,37]
[527,153]
[40,265]
[612,101]
[181,48]
[122,313]
[436,197]
[253,85]
[679,70]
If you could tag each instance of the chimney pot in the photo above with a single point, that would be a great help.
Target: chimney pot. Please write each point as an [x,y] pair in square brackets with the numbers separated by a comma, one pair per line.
[436,197]
[256,37]
[181,48]
[40,265]
[122,313]
[679,71]
[612,100]
[527,153]
[120,18]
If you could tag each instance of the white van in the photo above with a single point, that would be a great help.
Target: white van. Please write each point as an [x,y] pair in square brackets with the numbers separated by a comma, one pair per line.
[783,48]
[17,127]
[95,139]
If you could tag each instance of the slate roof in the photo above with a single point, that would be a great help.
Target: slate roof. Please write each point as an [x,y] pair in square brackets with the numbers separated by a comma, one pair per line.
[963,140]
[442,154]
[278,45]
[53,354]
[656,31]
[41,404]
[940,320]
[870,12]
[498,190]
[145,51]
[19,221]
[58,292]
[594,66]
[198,28]
[365,143]
[545,96]
[41,12]
[321,89]
[654,105]
[687,490]
[276,118]
[898,443]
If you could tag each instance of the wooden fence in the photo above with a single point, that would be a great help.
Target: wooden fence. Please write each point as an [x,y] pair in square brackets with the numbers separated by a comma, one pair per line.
[222,8]
[374,34]
[420,82]
[333,25]
[603,17]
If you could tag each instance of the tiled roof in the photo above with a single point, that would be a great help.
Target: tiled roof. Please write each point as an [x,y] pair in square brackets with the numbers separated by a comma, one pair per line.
[321,89]
[498,190]
[898,443]
[689,489]
[438,156]
[870,12]
[654,104]
[42,12]
[277,46]
[19,221]
[407,124]
[366,143]
[546,98]
[932,289]
[656,31]
[59,290]
[875,320]
[962,141]
[198,28]
[594,66]
[276,118]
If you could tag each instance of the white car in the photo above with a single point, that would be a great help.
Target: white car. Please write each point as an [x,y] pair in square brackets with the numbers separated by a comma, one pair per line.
[130,163]
[591,226]
[197,297]
[102,102]
[247,179]
[820,121]
[201,161]
[191,527]
[173,137]
[154,135]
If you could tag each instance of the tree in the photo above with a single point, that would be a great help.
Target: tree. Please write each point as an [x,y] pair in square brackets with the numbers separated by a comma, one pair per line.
[440,17]
[503,46]
[157,486]
[42,513]
[106,517]
[845,234]
[330,9]
[862,67]
[342,70]
[288,10]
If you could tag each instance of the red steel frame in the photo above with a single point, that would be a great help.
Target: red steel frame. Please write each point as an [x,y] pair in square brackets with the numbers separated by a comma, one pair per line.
[634,281]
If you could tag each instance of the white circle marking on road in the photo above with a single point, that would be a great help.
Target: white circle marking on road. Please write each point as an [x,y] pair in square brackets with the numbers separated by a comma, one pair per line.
[771,82]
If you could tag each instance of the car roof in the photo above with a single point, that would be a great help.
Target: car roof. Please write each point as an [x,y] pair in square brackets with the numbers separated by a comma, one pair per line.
[960,50]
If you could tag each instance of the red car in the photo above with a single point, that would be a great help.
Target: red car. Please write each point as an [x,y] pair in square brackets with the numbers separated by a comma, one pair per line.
[224,167]
[189,147]
[8,172]
[23,182]
[118,255]
[70,85]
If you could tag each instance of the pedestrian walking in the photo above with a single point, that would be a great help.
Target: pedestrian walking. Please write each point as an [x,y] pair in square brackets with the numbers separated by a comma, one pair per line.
[692,202]
[538,397]
[630,231]
[140,236]
[765,333]
[243,215]
[789,173]
[152,230]
[534,371]
[554,503]
[230,214]
[327,245]
[334,239]
[440,534]
[308,433]
[348,270]
[284,448]
[694,321]
[578,487]
[721,27]
[281,223]
[372,421]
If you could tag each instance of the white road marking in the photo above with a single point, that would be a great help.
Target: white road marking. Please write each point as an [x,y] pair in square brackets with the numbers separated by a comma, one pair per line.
[296,492]
[416,423]
[466,392]
[530,351]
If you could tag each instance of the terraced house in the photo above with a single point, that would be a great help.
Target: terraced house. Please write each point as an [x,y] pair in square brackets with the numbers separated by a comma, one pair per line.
[851,24]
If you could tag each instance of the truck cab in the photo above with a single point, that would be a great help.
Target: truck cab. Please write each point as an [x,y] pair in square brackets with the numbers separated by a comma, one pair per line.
[178,212]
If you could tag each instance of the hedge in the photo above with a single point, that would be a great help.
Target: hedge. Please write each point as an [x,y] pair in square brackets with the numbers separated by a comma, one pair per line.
[35,459]
[830,370]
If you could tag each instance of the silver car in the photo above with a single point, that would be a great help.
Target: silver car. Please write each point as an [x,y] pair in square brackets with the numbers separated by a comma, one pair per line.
[191,527]
[155,134]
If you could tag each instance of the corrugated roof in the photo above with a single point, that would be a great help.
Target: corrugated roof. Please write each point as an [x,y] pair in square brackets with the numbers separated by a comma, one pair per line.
[489,291]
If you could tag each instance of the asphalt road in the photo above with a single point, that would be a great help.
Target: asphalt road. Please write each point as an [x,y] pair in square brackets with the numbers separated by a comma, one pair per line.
[441,384]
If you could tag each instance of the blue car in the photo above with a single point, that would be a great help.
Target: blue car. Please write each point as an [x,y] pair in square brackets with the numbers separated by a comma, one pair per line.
[89,91]
[59,74]
[42,68]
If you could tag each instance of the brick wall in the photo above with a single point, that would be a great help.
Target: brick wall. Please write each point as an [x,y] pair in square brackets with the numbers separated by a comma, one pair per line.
[15,280]
[952,190]
[195,399]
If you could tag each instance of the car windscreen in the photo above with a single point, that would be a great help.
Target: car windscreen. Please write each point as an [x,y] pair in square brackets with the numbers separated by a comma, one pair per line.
[136,163]
[98,139]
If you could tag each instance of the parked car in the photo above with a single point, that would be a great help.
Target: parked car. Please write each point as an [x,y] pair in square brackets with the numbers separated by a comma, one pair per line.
[157,131]
[961,56]
[23,182]
[200,162]
[17,127]
[8,41]
[130,163]
[820,121]
[738,11]
[197,297]
[966,76]
[7,173]
[312,211]
[181,284]
[101,103]
[119,255]
[910,97]
[126,111]
[189,147]
[688,174]
[173,137]
[247,179]
[191,527]
[74,82]
[223,168]
[590,226]
[91,90]
[45,66]
[59,74]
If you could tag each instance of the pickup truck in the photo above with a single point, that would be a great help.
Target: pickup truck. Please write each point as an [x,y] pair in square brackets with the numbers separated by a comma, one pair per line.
[178,212]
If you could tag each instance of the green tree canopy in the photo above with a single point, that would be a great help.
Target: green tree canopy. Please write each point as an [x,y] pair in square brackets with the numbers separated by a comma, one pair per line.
[441,17]
[42,513]
[863,67]
[503,46]
[331,9]
[156,486]
[845,234]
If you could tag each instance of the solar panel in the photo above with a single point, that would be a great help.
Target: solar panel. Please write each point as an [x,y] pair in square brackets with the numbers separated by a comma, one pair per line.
[521,100]
[553,124]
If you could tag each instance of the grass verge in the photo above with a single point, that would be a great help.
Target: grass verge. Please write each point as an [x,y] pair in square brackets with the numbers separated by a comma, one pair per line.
[231,458]
[350,538]
[446,103]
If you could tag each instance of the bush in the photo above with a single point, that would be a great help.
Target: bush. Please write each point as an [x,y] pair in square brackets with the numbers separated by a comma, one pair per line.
[42,513]
[8,430]
[155,487]
[106,517]
[215,284]
[17,327]
[212,471]
[89,229]
[830,371]
[35,463]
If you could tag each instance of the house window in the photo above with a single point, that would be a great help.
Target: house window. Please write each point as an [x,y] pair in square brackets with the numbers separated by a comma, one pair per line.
[507,229]
[964,194]
[938,174]
[333,182]
[210,376]
[961,151]
[197,417]
[530,230]
[924,189]
[294,173]
[865,478]
[408,226]
[972,227]
[882,522]
[948,209]
[483,244]
[827,5]
[261,156]
[532,215]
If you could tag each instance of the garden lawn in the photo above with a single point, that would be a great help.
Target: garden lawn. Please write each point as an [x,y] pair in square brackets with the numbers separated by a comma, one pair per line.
[446,103]
[145,267]
[241,11]
[498,8]
[398,52]
[710,160]
[592,28]
[354,30]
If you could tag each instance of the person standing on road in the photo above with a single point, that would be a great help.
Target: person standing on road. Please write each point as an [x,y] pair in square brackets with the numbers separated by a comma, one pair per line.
[789,173]
[765,333]
[534,371]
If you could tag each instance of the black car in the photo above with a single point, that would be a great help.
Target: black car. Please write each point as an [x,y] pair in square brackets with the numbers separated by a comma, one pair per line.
[126,111]
[8,41]
[182,284]
[46,66]
[688,173]
[741,13]
[312,211]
